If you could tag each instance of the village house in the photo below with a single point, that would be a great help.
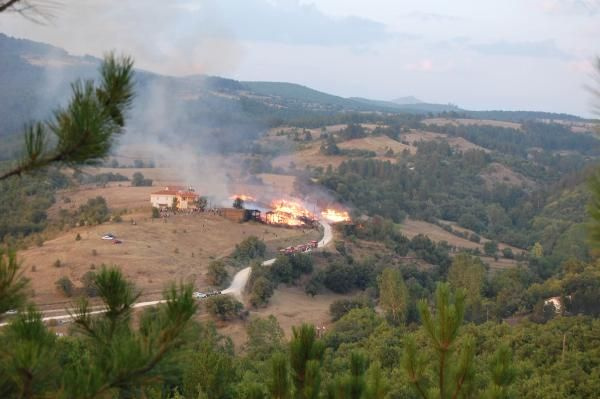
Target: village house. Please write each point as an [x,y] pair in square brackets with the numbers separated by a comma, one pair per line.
[185,197]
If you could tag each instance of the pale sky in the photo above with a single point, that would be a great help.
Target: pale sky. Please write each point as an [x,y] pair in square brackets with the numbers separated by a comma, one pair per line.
[478,54]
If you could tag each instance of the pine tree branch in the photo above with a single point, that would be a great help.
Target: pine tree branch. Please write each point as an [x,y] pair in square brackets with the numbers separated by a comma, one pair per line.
[86,128]
[8,4]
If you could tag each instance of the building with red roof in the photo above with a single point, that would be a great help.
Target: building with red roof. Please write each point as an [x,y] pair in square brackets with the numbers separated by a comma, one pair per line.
[183,197]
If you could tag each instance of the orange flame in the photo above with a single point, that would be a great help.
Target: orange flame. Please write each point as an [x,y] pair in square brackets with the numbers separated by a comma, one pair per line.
[290,213]
[334,216]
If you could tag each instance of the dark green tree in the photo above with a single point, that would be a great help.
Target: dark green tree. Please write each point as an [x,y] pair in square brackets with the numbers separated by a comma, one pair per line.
[217,274]
[452,369]
[83,132]
[306,355]
[225,307]
[452,366]
[13,286]
[113,359]
[280,383]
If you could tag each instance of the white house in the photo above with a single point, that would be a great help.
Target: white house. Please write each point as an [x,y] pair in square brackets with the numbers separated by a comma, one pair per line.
[185,197]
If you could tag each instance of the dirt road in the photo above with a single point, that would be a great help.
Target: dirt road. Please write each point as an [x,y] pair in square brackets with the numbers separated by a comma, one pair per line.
[241,278]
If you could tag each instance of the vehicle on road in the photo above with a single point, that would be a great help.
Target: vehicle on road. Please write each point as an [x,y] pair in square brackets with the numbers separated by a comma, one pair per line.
[115,241]
[12,311]
[108,236]
[199,295]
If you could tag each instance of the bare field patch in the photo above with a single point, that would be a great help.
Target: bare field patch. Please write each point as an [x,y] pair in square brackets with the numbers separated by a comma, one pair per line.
[464,145]
[411,228]
[292,307]
[457,142]
[311,156]
[152,253]
[420,135]
[118,195]
[498,173]
[467,122]
[279,183]
[377,144]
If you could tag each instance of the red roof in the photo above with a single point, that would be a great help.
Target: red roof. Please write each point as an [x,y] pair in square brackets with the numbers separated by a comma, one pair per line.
[184,194]
[166,192]
[188,194]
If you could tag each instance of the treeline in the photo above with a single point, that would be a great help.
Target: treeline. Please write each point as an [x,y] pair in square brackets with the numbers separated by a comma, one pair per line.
[441,183]
[547,136]
[24,203]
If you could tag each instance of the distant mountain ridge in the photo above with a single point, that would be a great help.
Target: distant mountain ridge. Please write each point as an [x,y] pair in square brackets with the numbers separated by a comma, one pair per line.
[35,78]
[406,100]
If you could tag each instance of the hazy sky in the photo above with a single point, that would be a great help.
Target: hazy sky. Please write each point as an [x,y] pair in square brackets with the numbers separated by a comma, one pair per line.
[478,54]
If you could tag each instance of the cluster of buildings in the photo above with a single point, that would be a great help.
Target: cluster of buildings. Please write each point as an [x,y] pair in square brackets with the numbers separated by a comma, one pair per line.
[180,196]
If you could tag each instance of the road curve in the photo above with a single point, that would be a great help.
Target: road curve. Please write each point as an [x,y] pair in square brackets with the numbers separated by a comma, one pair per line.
[237,284]
[241,278]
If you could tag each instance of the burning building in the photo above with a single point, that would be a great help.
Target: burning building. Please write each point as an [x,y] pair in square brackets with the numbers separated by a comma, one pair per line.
[335,216]
[289,213]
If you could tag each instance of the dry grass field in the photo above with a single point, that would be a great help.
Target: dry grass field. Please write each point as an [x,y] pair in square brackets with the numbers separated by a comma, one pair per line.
[152,253]
[278,183]
[498,173]
[412,227]
[292,307]
[310,156]
[118,196]
[377,144]
[463,121]
[457,142]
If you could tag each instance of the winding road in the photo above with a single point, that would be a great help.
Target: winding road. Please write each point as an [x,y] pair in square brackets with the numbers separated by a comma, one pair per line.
[236,288]
[241,278]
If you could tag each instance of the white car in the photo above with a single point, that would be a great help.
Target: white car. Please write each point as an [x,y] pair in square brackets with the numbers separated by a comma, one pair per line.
[199,295]
[11,311]
[108,237]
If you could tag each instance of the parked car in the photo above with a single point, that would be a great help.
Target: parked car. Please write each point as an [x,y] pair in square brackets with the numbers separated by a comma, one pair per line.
[108,236]
[115,241]
[12,311]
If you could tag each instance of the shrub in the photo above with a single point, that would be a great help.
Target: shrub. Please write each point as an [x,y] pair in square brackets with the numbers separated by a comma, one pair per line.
[117,219]
[155,213]
[78,237]
[314,285]
[250,248]
[94,252]
[89,284]
[339,278]
[33,268]
[138,180]
[490,248]
[217,275]
[474,237]
[508,253]
[224,307]
[261,292]
[287,269]
[56,263]
[65,286]
[342,306]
